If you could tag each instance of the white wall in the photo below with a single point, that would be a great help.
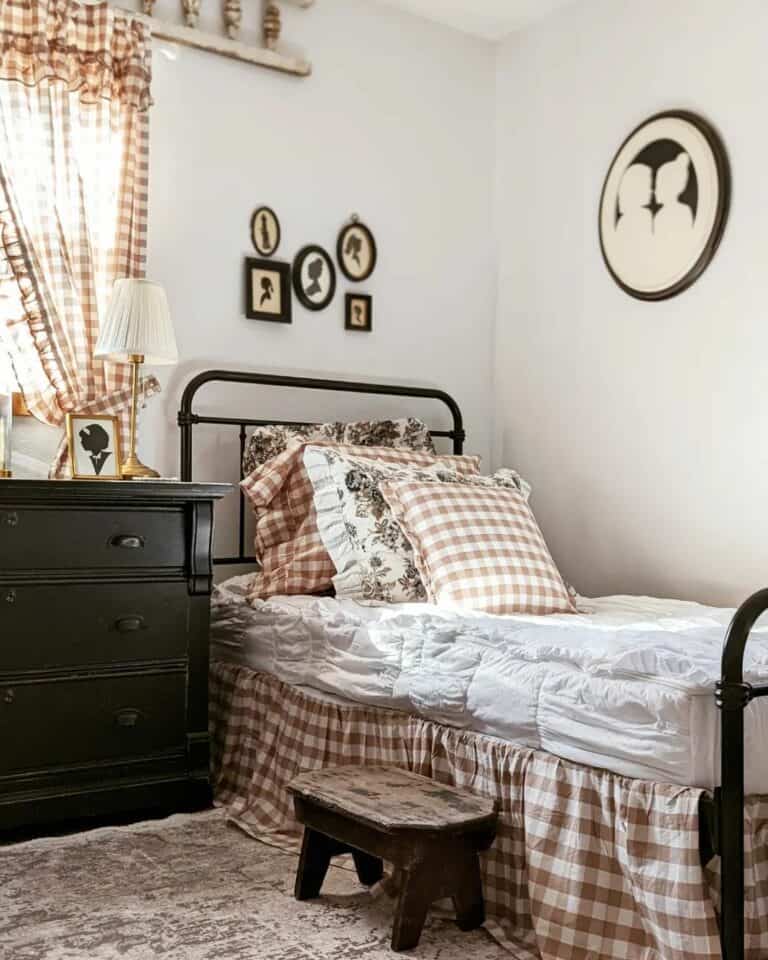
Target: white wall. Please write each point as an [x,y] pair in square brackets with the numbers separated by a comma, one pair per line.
[396,123]
[640,425]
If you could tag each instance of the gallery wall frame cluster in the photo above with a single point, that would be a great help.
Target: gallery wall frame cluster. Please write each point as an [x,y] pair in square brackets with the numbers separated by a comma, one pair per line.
[270,284]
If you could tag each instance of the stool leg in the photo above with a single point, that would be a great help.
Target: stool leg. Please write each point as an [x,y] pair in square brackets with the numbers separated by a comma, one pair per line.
[468,900]
[412,904]
[369,869]
[316,853]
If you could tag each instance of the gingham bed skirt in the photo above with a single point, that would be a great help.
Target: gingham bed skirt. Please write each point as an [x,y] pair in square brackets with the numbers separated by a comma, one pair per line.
[587,865]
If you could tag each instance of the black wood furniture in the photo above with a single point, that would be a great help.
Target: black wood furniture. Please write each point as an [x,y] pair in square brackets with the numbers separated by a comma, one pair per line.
[431,833]
[104,613]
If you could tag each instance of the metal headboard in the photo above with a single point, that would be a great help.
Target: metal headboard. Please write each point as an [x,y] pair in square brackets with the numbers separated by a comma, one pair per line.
[187,419]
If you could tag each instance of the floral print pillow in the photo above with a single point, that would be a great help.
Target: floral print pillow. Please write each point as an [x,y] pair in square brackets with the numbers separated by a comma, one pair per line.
[373,558]
[268,442]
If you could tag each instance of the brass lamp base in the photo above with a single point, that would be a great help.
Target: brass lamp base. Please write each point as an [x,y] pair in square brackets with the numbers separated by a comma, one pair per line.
[5,474]
[132,468]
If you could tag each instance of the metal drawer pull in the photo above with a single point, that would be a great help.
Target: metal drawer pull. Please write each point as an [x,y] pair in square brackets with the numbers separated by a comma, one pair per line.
[11,519]
[129,624]
[10,597]
[9,695]
[128,717]
[127,541]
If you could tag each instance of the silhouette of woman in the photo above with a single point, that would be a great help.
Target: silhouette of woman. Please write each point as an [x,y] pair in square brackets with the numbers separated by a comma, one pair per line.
[354,247]
[315,271]
[671,181]
[267,290]
[94,439]
[358,322]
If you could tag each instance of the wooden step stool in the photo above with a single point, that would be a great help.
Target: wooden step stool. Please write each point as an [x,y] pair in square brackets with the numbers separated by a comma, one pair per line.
[431,833]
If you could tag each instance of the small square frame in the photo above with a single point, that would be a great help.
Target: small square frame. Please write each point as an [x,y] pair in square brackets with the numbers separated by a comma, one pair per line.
[114,424]
[349,302]
[283,270]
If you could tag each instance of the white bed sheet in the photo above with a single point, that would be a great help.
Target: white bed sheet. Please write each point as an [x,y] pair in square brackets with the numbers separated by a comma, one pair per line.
[626,687]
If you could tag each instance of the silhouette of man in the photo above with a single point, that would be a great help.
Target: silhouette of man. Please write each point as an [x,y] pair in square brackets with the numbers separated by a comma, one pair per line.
[266,240]
[94,439]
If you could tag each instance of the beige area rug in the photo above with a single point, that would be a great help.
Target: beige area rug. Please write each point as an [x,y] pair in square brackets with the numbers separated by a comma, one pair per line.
[193,888]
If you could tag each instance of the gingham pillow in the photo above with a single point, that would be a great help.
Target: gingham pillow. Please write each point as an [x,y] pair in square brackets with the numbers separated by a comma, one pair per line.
[288,545]
[372,556]
[478,547]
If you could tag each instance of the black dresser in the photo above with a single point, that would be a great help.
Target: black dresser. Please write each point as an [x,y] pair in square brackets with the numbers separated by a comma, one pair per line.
[104,615]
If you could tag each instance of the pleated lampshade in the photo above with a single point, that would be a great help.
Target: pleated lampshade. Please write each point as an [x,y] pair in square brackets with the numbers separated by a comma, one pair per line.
[138,323]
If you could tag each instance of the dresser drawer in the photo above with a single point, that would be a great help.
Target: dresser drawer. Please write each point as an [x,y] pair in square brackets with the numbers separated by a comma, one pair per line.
[71,722]
[70,625]
[41,539]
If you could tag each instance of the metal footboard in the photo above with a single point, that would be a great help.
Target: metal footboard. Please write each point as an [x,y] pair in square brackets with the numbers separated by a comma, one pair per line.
[733,696]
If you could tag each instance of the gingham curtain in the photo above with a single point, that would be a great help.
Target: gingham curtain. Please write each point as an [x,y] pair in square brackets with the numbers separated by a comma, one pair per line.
[74,100]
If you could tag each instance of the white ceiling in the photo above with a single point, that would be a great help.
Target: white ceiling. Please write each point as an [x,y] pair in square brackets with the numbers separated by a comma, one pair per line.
[490,19]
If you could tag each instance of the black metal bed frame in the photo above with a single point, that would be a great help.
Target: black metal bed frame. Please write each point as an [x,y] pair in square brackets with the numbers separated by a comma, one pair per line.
[187,419]
[722,815]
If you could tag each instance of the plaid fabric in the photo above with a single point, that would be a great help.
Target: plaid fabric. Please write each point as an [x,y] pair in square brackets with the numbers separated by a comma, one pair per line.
[74,93]
[478,547]
[288,544]
[586,865]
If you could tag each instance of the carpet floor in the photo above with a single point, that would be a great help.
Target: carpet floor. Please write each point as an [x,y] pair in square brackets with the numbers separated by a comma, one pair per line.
[193,888]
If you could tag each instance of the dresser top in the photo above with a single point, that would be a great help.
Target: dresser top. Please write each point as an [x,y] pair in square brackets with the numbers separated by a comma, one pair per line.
[112,491]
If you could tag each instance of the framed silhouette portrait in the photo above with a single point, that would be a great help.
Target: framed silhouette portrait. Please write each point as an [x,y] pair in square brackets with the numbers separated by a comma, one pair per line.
[664,205]
[358,312]
[268,290]
[265,231]
[356,251]
[314,277]
[94,446]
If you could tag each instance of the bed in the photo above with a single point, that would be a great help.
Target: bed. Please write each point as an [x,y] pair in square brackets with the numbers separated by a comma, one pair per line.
[622,785]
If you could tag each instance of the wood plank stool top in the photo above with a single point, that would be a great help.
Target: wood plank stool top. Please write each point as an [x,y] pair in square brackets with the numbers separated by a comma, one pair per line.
[431,833]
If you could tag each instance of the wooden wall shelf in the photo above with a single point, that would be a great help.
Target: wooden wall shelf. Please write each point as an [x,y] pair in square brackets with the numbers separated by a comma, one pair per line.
[234,49]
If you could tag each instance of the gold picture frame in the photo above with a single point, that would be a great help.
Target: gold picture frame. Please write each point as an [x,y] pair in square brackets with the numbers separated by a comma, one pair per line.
[92,458]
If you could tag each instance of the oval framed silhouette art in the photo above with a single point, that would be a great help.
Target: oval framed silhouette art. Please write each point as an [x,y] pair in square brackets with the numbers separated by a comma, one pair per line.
[356,251]
[664,205]
[265,231]
[314,277]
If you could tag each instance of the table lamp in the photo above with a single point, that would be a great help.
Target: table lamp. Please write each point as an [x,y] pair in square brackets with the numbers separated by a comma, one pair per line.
[137,329]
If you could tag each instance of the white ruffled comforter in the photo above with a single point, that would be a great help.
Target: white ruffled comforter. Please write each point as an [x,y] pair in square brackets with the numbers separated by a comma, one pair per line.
[627,687]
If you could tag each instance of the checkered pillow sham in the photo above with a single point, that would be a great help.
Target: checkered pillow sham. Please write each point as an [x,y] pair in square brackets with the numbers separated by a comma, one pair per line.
[478,547]
[288,544]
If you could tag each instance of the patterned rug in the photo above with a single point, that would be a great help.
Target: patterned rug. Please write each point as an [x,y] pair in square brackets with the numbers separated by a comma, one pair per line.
[193,888]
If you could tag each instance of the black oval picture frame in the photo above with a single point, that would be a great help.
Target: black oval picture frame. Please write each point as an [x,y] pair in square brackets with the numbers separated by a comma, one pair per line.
[346,257]
[302,291]
[258,228]
[664,205]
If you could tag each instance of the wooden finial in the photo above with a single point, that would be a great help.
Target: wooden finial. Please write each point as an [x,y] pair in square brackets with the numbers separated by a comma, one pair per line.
[191,10]
[233,16]
[271,26]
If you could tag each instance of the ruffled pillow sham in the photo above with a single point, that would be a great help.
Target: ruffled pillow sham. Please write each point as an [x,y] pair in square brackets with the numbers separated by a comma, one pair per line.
[373,558]
[288,545]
